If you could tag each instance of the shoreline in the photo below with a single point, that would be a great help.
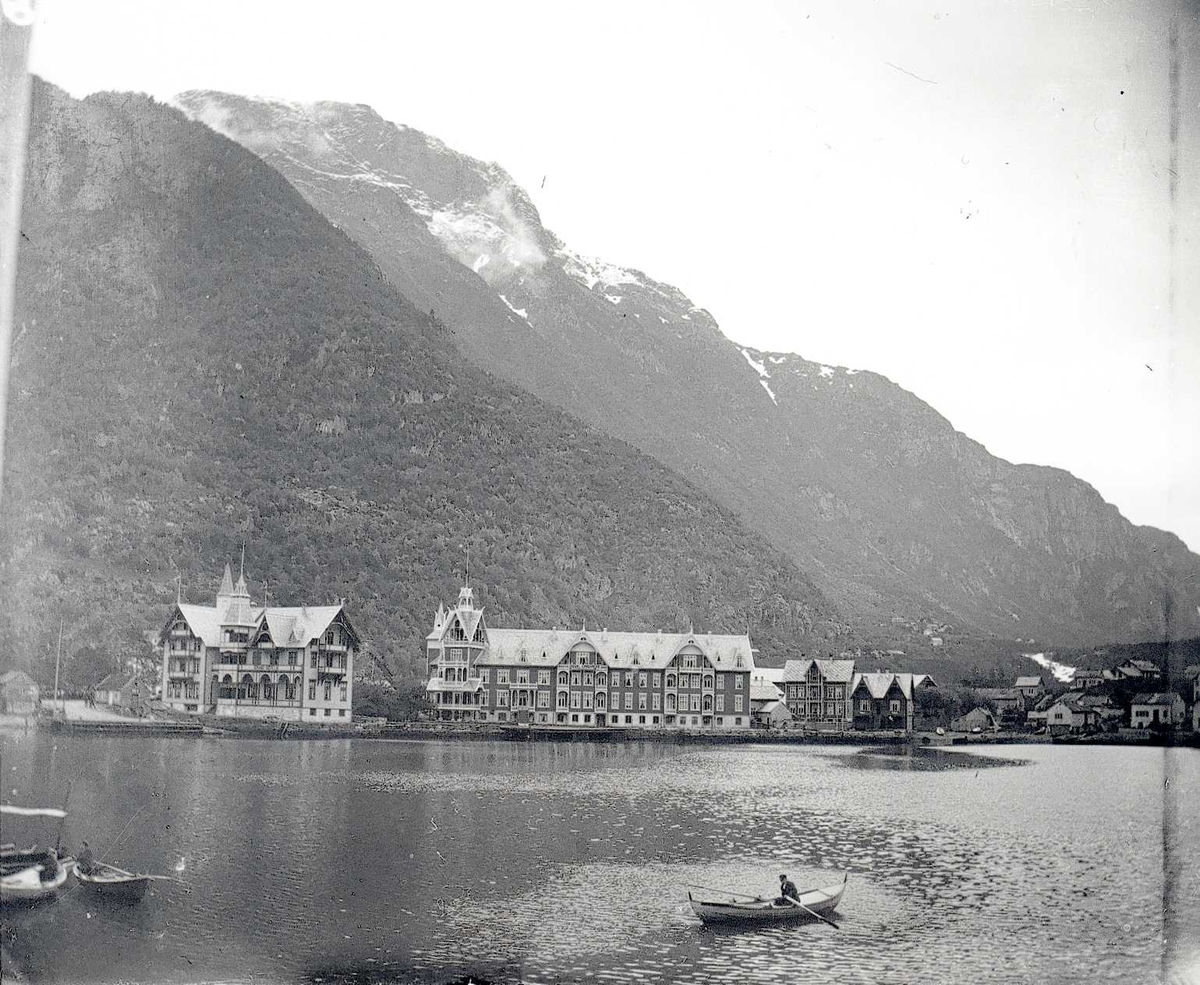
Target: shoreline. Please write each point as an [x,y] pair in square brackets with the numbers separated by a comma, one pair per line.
[209,727]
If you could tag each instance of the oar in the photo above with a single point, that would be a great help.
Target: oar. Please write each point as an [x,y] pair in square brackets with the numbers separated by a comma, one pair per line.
[796,902]
[725,892]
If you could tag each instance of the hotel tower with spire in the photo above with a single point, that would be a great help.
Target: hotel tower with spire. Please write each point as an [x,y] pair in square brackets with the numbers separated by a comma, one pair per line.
[238,659]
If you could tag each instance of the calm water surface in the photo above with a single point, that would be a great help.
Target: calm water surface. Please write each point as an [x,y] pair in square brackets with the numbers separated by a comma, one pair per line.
[428,861]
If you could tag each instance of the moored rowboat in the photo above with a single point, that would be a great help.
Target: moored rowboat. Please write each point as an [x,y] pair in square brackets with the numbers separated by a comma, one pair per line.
[30,876]
[113,883]
[820,901]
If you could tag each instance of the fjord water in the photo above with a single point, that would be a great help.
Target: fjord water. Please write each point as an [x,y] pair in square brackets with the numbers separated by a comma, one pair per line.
[428,861]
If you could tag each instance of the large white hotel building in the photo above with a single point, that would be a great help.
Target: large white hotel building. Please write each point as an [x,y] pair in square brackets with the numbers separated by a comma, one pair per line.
[291,663]
[585,678]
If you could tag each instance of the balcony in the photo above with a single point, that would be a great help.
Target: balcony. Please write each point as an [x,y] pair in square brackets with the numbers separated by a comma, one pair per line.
[331,668]
[174,672]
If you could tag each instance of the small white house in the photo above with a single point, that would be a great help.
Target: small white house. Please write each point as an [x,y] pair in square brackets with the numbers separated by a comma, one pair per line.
[1159,708]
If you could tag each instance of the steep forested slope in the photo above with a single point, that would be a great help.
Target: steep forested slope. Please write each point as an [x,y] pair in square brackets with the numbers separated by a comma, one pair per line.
[202,359]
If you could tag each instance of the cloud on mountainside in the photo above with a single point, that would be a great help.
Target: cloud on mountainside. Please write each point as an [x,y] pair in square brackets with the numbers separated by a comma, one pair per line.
[490,228]
[229,123]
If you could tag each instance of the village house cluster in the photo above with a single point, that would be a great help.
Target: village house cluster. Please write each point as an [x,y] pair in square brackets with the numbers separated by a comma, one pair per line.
[1128,696]
[831,694]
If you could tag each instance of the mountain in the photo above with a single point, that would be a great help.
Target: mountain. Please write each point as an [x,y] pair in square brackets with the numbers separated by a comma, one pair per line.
[202,360]
[909,527]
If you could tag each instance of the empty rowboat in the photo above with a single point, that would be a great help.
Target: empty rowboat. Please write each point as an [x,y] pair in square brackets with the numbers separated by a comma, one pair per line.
[815,904]
[113,883]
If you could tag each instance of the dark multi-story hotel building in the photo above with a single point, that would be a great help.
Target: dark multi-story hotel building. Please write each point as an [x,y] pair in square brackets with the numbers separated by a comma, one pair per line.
[246,661]
[585,678]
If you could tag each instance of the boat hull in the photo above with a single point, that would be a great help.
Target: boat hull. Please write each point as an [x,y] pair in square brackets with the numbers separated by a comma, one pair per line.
[124,887]
[822,901]
[26,885]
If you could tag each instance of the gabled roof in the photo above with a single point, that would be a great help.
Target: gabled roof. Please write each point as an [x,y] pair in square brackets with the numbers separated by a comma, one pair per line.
[764,692]
[16,677]
[117,681]
[630,651]
[767,675]
[878,684]
[1045,702]
[832,671]
[288,625]
[1073,702]
[771,707]
[1032,681]
[1156,698]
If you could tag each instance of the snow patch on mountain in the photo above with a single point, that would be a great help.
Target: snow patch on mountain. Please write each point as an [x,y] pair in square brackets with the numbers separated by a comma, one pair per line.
[759,367]
[1060,671]
[614,298]
[770,393]
[827,371]
[589,271]
[480,262]
[523,312]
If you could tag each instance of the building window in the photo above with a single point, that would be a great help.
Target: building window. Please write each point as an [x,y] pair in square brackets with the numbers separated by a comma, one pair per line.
[629,678]
[720,701]
[739,681]
[456,654]
[312,690]
[543,699]
[501,699]
[737,702]
[655,722]
[563,678]
[657,701]
[642,701]
[657,680]
[588,697]
[895,707]
[312,711]
[328,690]
[695,702]
[502,676]
[588,680]
[670,702]
[689,660]
[708,682]
[562,699]
[670,680]
[642,679]
[601,680]
[575,699]
[342,691]
[576,679]
[720,681]
[544,677]
[522,677]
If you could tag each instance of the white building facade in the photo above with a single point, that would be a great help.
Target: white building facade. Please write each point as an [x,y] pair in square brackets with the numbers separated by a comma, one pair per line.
[239,660]
[585,678]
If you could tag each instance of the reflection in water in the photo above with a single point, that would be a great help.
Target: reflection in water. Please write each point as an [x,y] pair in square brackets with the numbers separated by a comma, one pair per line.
[921,758]
[429,861]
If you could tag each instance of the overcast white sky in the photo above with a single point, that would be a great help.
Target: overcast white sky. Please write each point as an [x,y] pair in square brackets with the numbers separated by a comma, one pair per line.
[972,199]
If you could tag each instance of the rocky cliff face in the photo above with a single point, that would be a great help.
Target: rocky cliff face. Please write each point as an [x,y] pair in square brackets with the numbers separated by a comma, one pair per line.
[910,527]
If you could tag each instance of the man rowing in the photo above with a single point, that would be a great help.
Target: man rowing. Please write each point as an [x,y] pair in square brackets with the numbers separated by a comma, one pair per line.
[787,889]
